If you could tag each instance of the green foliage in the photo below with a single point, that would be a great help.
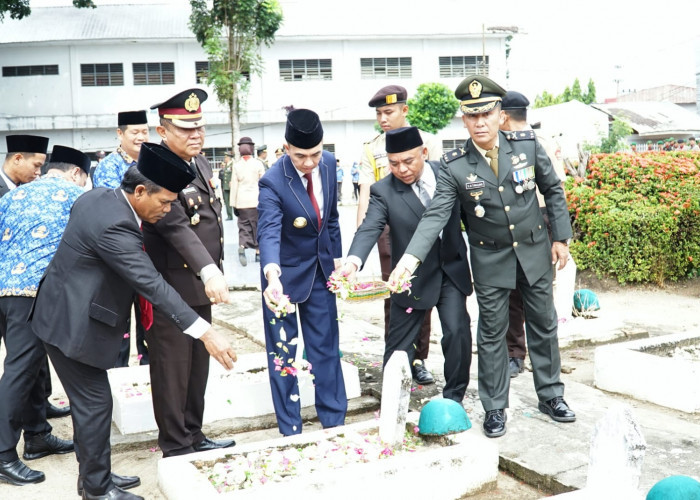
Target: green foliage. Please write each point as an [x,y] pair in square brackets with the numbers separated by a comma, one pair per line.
[573,93]
[615,141]
[19,9]
[636,217]
[432,107]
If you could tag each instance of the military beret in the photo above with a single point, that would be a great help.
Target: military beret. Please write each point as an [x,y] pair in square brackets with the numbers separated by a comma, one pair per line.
[132,118]
[478,94]
[246,140]
[391,94]
[514,100]
[164,167]
[27,144]
[304,129]
[184,109]
[64,154]
[402,139]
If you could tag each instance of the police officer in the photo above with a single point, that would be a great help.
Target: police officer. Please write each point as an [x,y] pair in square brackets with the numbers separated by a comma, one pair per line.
[262,155]
[225,177]
[494,175]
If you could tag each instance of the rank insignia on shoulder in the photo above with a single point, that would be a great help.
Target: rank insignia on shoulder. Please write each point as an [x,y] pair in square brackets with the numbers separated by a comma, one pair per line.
[471,177]
[453,155]
[522,135]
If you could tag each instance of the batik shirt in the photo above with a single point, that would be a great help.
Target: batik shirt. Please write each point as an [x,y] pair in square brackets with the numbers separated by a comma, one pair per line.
[33,217]
[111,170]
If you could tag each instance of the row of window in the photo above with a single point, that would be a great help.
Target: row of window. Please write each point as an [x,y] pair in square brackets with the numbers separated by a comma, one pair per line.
[291,70]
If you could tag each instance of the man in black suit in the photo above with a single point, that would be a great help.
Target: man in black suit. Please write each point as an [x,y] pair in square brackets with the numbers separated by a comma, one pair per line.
[443,280]
[187,248]
[88,289]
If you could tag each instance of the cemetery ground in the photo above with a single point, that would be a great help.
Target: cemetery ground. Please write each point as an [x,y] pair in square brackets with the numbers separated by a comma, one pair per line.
[537,456]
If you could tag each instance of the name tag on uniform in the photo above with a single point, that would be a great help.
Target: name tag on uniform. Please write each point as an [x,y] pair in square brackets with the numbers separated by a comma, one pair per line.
[190,189]
[475,185]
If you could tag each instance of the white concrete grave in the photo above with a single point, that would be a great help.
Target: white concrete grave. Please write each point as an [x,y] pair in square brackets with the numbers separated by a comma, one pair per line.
[396,395]
[456,466]
[646,370]
[242,392]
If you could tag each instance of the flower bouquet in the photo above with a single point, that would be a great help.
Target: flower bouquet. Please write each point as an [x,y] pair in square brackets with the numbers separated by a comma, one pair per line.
[402,284]
[282,305]
[339,284]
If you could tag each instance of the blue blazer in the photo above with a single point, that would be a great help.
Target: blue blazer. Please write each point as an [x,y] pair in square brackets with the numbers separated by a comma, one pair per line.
[288,232]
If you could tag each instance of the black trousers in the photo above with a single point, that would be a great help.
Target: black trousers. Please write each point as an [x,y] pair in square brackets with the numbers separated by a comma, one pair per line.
[405,327]
[23,382]
[179,370]
[141,348]
[87,388]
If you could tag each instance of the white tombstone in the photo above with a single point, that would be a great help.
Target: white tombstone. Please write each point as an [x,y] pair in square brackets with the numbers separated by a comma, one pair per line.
[396,394]
[564,288]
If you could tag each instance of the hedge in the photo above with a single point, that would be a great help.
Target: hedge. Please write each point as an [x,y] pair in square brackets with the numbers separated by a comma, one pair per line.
[636,217]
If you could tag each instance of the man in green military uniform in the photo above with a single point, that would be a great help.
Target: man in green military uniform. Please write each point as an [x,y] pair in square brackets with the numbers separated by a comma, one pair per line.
[494,175]
[225,177]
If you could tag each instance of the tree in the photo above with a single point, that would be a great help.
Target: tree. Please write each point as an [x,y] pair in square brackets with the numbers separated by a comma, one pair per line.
[231,33]
[570,94]
[615,141]
[546,99]
[589,96]
[19,9]
[432,107]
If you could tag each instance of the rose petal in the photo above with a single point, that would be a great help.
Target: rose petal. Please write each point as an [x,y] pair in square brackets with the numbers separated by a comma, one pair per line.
[126,335]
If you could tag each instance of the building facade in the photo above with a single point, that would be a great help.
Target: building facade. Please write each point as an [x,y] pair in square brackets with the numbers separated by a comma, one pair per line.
[67,72]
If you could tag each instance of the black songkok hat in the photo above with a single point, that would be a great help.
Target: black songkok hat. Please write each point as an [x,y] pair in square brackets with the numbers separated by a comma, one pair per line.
[391,94]
[64,154]
[514,100]
[402,139]
[304,129]
[27,144]
[132,118]
[164,167]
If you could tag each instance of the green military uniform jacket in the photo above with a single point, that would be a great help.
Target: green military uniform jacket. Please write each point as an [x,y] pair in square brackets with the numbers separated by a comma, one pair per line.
[225,175]
[511,229]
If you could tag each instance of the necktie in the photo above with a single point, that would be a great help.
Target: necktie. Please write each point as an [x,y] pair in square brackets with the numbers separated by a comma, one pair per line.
[493,155]
[145,306]
[312,196]
[423,194]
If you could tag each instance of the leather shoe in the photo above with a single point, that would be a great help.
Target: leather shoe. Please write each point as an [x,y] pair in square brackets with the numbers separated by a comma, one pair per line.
[557,409]
[421,374]
[123,482]
[241,257]
[43,445]
[15,472]
[495,423]
[515,366]
[115,493]
[207,444]
[56,412]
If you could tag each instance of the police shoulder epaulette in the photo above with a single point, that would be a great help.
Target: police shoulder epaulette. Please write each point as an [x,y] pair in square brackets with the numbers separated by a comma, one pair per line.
[454,154]
[521,135]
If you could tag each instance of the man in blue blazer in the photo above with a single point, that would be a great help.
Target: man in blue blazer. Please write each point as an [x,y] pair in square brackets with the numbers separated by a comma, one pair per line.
[299,239]
[443,280]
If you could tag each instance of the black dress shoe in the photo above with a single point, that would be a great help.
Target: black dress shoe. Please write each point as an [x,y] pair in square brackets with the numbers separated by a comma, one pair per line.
[241,257]
[123,482]
[207,444]
[421,374]
[495,423]
[56,412]
[115,493]
[515,366]
[557,409]
[15,472]
[43,445]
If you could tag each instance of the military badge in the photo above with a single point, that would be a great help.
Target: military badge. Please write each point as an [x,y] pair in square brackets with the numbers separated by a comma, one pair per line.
[199,198]
[475,89]
[476,195]
[299,222]
[479,211]
[523,156]
[192,103]
[194,220]
[514,159]
[519,188]
[190,201]
[391,99]
[471,177]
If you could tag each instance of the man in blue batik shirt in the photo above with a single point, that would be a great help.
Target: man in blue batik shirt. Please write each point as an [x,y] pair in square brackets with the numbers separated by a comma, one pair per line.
[132,132]
[33,217]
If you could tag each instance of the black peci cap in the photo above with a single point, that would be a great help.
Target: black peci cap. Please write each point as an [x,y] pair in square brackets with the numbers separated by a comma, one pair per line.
[402,139]
[164,167]
[132,118]
[64,154]
[27,144]
[304,129]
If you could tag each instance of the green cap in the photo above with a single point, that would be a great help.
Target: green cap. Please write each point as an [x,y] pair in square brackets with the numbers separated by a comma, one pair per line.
[478,94]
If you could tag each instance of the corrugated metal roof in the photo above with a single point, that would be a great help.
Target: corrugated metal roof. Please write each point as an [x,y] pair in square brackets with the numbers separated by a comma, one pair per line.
[650,118]
[672,93]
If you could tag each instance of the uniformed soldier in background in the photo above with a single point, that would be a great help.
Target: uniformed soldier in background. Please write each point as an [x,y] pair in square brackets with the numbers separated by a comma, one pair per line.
[494,175]
[262,155]
[225,177]
[391,110]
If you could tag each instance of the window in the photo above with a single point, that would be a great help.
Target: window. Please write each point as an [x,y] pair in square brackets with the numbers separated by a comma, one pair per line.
[459,66]
[102,75]
[385,67]
[329,147]
[201,70]
[154,73]
[450,144]
[49,69]
[296,70]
